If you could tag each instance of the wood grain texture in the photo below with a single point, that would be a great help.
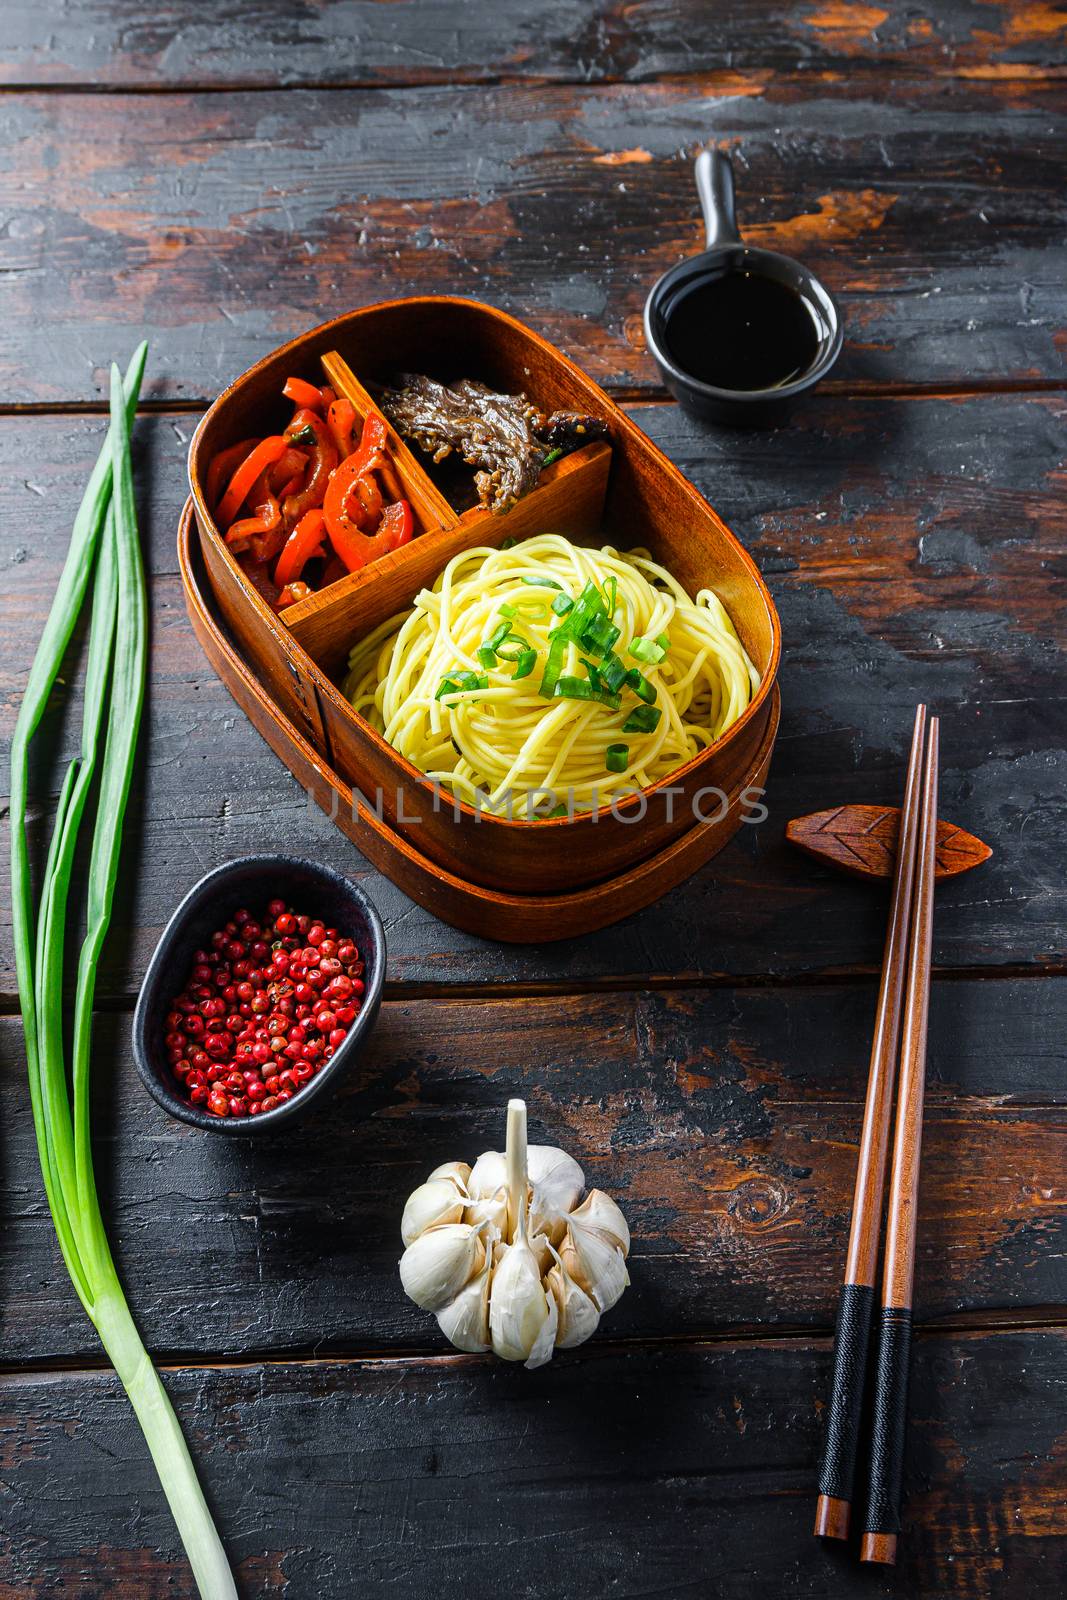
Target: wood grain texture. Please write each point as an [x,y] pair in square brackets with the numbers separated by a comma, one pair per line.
[293,42]
[229,223]
[915,550]
[649,1473]
[726,1125]
[914,157]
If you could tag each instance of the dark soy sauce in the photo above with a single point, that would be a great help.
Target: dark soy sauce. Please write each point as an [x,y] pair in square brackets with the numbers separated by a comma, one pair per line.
[741,331]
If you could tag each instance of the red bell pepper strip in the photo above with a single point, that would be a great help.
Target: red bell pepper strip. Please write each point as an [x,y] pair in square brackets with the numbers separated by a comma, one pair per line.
[265,521]
[341,419]
[302,545]
[358,549]
[371,501]
[223,466]
[291,465]
[265,454]
[309,429]
[372,443]
[397,524]
[294,486]
[345,508]
[307,394]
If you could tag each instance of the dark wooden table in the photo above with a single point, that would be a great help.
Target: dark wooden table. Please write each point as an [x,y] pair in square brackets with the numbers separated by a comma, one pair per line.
[218,178]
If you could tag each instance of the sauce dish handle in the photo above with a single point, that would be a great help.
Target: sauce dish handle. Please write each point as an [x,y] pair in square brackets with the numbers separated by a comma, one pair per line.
[715,186]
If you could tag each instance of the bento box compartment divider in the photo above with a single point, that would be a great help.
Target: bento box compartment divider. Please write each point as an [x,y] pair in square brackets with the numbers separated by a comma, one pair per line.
[569,499]
[431,508]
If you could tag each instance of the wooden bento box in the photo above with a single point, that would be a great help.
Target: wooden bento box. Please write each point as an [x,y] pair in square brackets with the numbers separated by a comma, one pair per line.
[623,490]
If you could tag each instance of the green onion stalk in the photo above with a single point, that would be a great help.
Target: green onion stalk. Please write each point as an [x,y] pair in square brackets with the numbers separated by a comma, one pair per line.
[104,548]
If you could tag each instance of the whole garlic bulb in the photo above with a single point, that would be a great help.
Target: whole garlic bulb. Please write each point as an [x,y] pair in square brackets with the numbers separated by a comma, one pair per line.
[505,1256]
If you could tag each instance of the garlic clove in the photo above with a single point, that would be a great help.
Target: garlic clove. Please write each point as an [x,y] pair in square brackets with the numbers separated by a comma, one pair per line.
[488,1174]
[598,1210]
[456,1172]
[543,1346]
[542,1249]
[577,1313]
[436,1201]
[518,1305]
[595,1262]
[493,1211]
[556,1180]
[436,1266]
[465,1320]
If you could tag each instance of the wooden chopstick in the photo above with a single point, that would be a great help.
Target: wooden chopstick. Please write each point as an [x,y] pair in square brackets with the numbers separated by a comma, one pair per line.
[882,1516]
[855,1306]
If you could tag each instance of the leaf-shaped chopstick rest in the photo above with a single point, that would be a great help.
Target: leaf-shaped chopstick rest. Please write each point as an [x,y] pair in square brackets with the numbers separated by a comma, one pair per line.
[862,840]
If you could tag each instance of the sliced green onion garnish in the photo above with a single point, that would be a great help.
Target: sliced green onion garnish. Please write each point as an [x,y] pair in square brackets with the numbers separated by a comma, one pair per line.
[600,634]
[553,455]
[512,647]
[506,611]
[643,719]
[613,672]
[649,650]
[498,635]
[557,644]
[641,686]
[569,688]
[460,682]
[590,604]
[617,757]
[593,671]
[508,544]
[542,583]
[486,656]
[664,641]
[525,664]
[557,811]
[562,604]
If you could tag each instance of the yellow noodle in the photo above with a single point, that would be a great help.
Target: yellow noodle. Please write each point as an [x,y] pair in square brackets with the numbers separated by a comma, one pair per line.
[503,747]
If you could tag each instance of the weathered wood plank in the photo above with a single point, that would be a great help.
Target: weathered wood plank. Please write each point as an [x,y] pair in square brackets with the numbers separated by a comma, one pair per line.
[278,42]
[725,1124]
[219,225]
[915,550]
[671,1472]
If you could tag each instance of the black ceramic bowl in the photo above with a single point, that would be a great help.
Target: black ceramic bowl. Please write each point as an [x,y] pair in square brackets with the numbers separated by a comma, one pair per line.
[251,882]
[727,256]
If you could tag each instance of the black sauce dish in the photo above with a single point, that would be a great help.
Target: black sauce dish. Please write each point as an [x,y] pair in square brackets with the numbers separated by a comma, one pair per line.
[778,330]
[250,882]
